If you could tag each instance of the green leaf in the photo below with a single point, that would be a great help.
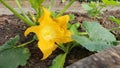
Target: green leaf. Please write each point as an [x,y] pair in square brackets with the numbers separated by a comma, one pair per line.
[98,37]
[74,28]
[96,32]
[9,44]
[12,58]
[72,17]
[54,14]
[111,2]
[117,21]
[86,7]
[59,61]
[91,45]
[92,9]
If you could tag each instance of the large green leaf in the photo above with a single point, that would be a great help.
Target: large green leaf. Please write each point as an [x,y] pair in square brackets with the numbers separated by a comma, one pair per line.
[97,33]
[59,61]
[98,37]
[12,58]
[9,44]
[91,45]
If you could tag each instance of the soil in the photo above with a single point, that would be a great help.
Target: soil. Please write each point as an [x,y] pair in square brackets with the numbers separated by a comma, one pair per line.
[10,26]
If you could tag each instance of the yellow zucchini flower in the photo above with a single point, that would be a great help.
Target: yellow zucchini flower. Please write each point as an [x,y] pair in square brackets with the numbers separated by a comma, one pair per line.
[50,31]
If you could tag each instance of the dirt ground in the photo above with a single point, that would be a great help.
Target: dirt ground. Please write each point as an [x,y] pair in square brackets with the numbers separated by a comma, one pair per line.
[10,26]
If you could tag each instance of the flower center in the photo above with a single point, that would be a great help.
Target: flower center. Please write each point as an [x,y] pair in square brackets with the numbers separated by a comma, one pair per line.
[48,33]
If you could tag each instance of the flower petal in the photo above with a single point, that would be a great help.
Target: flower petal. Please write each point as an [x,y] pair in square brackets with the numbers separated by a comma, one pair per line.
[65,38]
[46,16]
[47,47]
[62,21]
[34,29]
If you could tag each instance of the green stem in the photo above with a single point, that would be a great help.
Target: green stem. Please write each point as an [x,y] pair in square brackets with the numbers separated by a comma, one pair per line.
[67,49]
[62,47]
[29,23]
[38,12]
[32,16]
[51,4]
[24,44]
[65,8]
[22,11]
[118,42]
[113,29]
[83,33]
[74,44]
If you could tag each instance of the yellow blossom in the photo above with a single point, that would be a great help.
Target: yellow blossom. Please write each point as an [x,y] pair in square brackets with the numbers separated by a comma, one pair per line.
[50,31]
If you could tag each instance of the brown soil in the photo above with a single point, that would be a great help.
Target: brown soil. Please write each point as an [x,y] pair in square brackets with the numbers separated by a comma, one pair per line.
[11,26]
